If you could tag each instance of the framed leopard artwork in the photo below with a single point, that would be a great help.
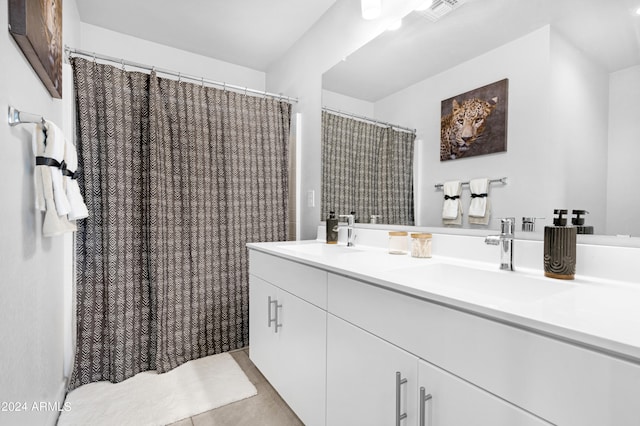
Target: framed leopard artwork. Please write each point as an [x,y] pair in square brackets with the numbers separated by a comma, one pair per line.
[475,122]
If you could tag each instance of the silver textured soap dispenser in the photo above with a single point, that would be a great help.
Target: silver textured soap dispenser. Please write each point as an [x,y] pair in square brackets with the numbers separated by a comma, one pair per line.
[560,248]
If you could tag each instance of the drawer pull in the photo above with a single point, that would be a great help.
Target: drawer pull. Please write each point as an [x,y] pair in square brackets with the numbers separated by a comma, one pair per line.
[399,382]
[277,320]
[275,302]
[423,402]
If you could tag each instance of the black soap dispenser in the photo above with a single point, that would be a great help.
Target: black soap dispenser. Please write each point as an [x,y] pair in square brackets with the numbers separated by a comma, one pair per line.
[332,228]
[560,248]
[578,222]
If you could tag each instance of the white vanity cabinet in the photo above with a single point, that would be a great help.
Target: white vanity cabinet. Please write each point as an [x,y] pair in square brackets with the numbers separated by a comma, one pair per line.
[353,349]
[372,382]
[555,380]
[369,381]
[447,400]
[288,333]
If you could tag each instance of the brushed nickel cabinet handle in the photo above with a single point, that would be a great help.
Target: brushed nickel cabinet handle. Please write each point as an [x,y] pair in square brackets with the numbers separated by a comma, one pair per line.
[277,320]
[399,382]
[423,402]
[269,312]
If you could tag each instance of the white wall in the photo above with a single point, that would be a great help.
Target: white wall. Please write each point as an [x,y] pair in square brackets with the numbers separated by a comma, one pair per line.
[31,267]
[623,204]
[580,102]
[348,104]
[338,33]
[118,45]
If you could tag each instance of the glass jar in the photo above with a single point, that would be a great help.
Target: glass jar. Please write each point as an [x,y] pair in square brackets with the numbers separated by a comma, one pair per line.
[421,245]
[398,243]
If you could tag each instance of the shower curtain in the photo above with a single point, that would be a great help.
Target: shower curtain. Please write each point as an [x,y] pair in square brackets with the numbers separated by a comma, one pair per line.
[366,168]
[178,177]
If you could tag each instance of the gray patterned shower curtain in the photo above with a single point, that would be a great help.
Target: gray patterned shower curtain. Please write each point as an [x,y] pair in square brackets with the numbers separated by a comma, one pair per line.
[178,178]
[368,169]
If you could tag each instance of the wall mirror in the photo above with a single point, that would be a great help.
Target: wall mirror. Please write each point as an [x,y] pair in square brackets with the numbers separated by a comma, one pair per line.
[573,68]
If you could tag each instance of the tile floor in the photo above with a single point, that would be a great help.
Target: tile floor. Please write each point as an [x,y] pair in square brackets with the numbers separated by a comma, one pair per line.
[264,409]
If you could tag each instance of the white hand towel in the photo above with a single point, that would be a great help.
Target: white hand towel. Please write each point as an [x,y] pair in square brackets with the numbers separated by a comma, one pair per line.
[479,208]
[55,149]
[53,225]
[78,208]
[479,188]
[38,150]
[451,208]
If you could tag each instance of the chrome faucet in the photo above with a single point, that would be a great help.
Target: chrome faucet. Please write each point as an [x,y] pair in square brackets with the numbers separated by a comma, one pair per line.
[505,240]
[350,231]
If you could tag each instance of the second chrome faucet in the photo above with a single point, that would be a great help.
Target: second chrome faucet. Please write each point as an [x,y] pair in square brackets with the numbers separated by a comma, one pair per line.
[505,241]
[350,231]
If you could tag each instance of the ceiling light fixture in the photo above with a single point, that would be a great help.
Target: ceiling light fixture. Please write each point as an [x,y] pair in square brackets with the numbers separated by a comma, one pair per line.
[371,9]
[638,11]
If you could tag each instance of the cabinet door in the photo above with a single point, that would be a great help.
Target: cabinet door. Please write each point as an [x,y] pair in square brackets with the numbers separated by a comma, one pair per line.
[302,373]
[263,343]
[455,402]
[361,379]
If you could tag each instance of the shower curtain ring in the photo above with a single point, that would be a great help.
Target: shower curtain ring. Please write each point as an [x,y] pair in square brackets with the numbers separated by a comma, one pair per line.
[122,62]
[224,86]
[179,77]
[245,91]
[202,81]
[94,57]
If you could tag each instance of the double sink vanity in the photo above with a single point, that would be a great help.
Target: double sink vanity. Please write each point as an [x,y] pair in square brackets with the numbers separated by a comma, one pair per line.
[356,336]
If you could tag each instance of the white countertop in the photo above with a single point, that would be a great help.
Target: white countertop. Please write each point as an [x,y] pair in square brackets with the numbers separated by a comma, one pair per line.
[596,313]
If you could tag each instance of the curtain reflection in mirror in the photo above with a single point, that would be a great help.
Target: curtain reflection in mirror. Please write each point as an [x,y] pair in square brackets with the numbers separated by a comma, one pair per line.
[366,168]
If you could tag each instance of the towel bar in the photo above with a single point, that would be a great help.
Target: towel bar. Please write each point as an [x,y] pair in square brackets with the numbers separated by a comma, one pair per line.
[15,117]
[502,180]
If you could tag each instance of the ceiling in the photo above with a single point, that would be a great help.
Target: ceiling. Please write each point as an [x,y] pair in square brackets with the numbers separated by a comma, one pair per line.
[251,33]
[606,30]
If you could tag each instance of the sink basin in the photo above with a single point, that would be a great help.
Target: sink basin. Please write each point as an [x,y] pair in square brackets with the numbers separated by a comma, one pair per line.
[497,285]
[318,249]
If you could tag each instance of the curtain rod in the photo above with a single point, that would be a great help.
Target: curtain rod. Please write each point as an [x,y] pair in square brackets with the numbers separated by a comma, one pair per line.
[71,51]
[370,120]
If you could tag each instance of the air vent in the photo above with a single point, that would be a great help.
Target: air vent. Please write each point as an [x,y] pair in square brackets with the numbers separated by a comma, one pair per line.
[440,8]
